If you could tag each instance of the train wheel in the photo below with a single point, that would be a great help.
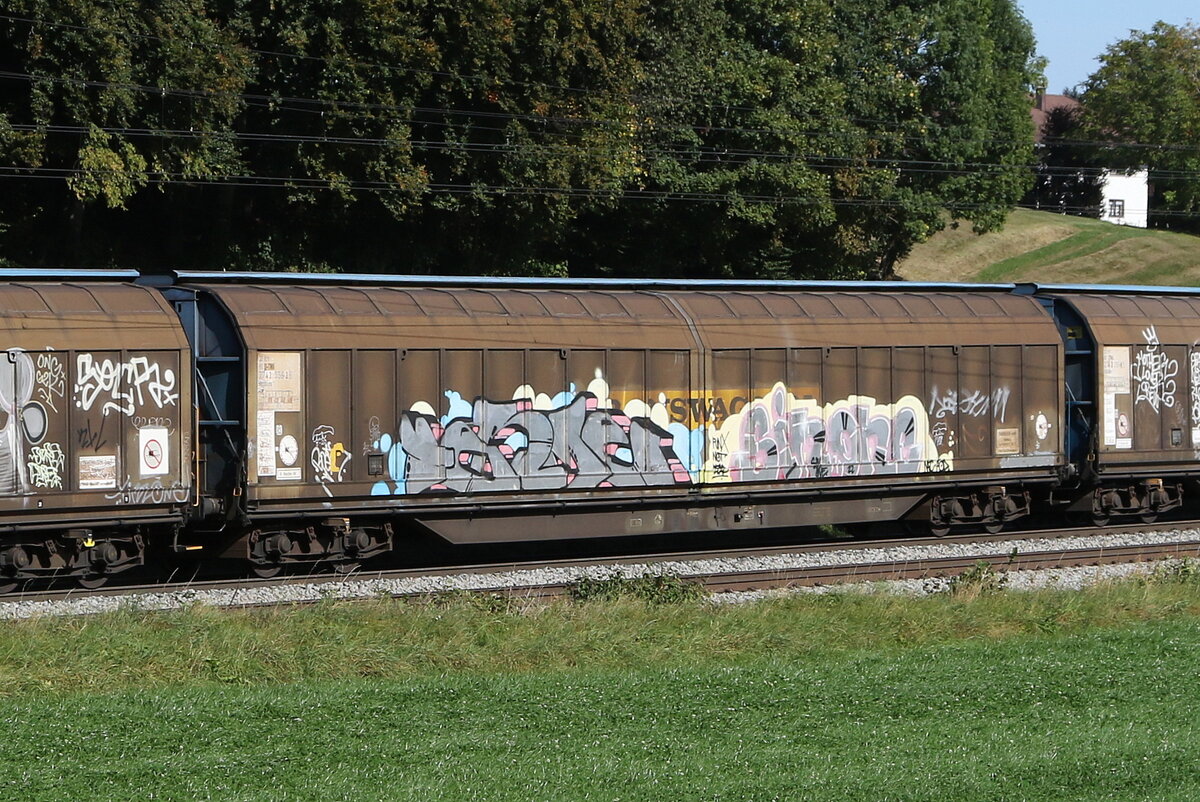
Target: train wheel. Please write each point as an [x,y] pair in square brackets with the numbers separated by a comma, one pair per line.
[1100,518]
[8,585]
[939,529]
[93,581]
[266,570]
[993,517]
[1148,517]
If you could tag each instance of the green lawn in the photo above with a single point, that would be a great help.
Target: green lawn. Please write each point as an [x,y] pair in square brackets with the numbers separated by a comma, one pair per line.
[1048,695]
[1101,715]
[1052,248]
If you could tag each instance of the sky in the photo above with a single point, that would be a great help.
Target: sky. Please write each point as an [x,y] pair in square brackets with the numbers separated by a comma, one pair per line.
[1073,33]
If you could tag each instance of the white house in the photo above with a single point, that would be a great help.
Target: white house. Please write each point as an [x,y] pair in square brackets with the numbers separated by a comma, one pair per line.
[1126,193]
[1126,197]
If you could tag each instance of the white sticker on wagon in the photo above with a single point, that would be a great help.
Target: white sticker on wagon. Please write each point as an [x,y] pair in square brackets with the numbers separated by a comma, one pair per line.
[98,472]
[265,452]
[152,452]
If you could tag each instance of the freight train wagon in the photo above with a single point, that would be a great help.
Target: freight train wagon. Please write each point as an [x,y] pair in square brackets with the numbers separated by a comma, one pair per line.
[1132,377]
[353,409]
[95,425]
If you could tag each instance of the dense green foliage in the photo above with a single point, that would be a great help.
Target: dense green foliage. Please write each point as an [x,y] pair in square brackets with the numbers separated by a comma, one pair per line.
[1145,101]
[698,138]
[1068,178]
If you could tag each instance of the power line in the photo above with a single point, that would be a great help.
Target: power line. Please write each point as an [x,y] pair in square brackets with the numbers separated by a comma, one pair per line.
[321,184]
[698,154]
[701,155]
[321,105]
[307,182]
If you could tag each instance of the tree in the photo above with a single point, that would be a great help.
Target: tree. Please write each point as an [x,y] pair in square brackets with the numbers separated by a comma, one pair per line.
[1066,179]
[737,113]
[948,84]
[81,119]
[765,138]
[861,122]
[1144,101]
[317,134]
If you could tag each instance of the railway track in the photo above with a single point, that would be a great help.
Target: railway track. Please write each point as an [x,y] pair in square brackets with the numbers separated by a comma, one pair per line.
[721,570]
[946,567]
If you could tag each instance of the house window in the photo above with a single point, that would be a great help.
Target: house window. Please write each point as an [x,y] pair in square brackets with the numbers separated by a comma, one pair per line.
[1116,208]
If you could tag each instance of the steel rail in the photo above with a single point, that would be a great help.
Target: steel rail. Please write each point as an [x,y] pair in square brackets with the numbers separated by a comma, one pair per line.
[1000,559]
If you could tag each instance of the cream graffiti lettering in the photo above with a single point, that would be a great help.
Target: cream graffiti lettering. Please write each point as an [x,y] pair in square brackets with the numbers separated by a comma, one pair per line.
[46,465]
[1154,373]
[123,386]
[1195,371]
[328,458]
[781,437]
[51,379]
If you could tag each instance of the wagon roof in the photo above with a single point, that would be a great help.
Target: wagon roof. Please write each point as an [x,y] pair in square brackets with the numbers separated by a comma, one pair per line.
[280,316]
[93,315]
[1125,319]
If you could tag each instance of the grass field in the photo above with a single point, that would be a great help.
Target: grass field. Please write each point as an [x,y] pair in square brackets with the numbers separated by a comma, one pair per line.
[1048,695]
[1052,248]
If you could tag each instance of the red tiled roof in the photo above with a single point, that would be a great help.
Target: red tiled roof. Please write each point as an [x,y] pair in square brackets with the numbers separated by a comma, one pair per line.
[1043,105]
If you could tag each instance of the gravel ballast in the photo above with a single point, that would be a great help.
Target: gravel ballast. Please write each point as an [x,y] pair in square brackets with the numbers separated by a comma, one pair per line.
[363,588]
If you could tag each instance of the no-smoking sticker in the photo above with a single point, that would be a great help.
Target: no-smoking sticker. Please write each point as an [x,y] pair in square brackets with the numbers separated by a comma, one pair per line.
[152,443]
[153,454]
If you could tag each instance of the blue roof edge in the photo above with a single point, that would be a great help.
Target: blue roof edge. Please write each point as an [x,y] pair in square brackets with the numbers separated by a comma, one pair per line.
[53,274]
[198,276]
[1021,288]
[249,277]
[1121,289]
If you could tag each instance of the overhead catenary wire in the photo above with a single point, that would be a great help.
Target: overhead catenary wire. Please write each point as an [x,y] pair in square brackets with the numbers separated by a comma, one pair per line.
[323,184]
[701,154]
[311,182]
[276,102]
[321,106]
[698,154]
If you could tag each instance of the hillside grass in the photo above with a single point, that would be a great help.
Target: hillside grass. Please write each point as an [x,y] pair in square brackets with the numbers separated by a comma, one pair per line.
[1057,249]
[976,694]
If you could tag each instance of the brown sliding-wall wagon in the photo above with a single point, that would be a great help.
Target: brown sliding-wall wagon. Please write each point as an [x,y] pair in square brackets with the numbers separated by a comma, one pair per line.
[95,425]
[491,412]
[1132,374]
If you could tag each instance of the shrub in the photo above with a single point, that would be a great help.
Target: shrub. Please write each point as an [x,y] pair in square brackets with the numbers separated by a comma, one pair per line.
[656,589]
[980,579]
